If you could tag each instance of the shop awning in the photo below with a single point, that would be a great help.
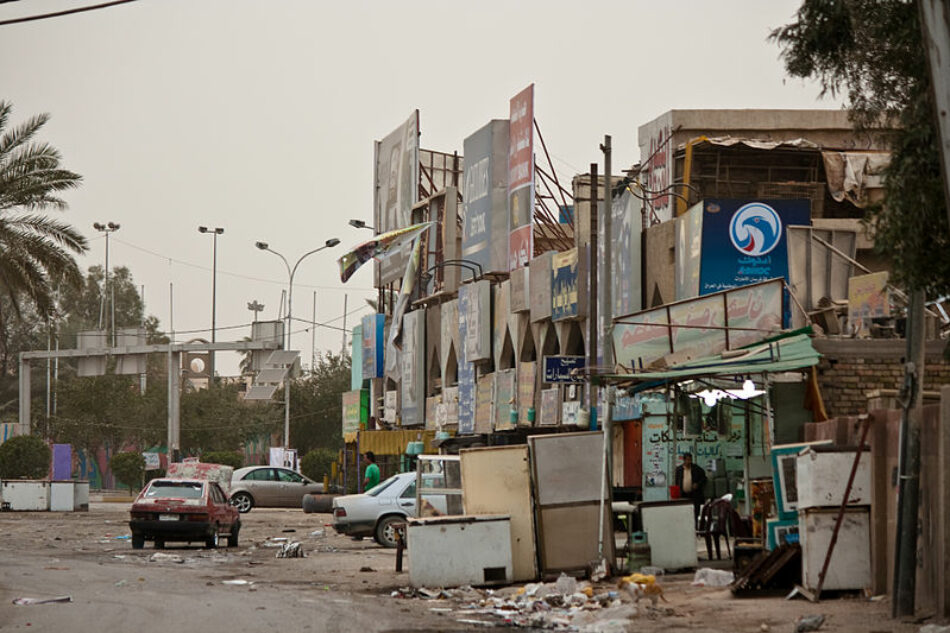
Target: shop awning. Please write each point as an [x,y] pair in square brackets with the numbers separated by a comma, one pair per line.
[775,355]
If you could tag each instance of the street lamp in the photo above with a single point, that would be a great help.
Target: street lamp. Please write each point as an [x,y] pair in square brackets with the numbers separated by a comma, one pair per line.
[108,228]
[330,243]
[360,224]
[215,232]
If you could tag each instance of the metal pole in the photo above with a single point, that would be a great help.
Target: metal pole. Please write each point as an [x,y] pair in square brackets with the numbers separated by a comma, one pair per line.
[592,272]
[313,334]
[106,292]
[214,300]
[606,308]
[908,495]
[290,294]
[343,347]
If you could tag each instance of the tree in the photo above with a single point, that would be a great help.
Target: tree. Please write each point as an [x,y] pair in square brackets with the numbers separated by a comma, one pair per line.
[218,419]
[317,404]
[873,51]
[36,252]
[128,468]
[24,457]
[318,463]
[233,459]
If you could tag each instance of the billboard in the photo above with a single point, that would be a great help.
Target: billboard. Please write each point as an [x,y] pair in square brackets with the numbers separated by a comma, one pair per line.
[745,241]
[711,324]
[355,409]
[521,179]
[371,327]
[689,242]
[656,156]
[867,299]
[476,311]
[564,281]
[396,189]
[485,195]
[466,369]
[412,376]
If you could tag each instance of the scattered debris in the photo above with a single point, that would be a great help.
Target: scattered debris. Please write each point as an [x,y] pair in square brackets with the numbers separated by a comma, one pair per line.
[367,569]
[236,581]
[29,601]
[707,577]
[288,530]
[934,628]
[291,550]
[159,557]
[120,583]
[598,571]
[318,533]
[809,623]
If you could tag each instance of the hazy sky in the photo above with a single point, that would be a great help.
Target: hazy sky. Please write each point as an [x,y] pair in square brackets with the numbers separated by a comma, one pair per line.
[259,117]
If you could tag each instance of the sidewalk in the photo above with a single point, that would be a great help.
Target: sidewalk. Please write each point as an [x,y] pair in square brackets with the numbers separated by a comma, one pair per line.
[111,496]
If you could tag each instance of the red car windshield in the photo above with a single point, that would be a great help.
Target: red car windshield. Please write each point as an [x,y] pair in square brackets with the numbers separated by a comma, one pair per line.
[174,490]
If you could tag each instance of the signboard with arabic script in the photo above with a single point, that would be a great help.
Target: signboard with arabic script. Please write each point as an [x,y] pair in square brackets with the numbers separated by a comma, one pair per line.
[703,326]
[562,368]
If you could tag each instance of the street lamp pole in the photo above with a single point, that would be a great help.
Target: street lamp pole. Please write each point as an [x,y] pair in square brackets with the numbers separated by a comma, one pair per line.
[110,227]
[215,232]
[290,294]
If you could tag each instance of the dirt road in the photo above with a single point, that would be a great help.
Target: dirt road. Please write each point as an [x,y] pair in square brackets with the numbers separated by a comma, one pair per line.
[342,585]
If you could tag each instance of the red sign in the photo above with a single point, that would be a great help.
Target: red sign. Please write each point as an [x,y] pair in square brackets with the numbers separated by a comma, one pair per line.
[521,178]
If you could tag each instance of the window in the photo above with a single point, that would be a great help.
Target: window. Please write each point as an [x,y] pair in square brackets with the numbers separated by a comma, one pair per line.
[217,495]
[409,492]
[261,474]
[288,476]
[174,490]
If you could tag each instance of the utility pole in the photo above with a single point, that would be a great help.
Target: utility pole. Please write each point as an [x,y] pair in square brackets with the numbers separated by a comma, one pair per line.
[592,311]
[908,490]
[607,306]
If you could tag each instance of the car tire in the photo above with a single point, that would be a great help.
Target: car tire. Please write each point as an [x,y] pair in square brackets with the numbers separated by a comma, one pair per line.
[159,543]
[233,536]
[386,532]
[138,542]
[243,502]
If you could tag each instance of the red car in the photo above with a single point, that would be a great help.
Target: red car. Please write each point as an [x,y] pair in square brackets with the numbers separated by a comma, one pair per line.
[183,510]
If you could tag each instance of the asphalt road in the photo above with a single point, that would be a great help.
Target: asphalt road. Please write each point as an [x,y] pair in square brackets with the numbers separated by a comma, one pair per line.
[115,588]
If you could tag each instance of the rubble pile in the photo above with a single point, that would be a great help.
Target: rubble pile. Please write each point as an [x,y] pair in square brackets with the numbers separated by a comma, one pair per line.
[566,604]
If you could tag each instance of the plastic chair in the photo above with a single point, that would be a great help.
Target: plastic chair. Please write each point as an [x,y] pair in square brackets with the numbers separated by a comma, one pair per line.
[717,519]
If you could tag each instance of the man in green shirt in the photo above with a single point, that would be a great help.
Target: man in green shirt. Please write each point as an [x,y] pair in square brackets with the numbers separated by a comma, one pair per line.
[371,474]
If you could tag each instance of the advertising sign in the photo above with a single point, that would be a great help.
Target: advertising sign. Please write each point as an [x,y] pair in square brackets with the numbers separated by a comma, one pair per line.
[352,411]
[432,405]
[689,250]
[485,196]
[521,179]
[372,333]
[450,405]
[559,369]
[527,371]
[475,310]
[504,399]
[483,404]
[656,156]
[412,376]
[390,403]
[550,407]
[867,299]
[725,320]
[564,279]
[745,242]
[396,188]
[466,369]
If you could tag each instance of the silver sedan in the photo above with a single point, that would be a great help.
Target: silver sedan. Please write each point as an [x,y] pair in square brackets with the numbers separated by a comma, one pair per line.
[270,486]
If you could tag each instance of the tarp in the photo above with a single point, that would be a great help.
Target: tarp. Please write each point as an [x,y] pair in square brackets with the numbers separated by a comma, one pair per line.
[391,442]
[777,355]
[380,246]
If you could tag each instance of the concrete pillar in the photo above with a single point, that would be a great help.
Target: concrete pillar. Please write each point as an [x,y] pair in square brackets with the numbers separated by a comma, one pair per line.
[24,396]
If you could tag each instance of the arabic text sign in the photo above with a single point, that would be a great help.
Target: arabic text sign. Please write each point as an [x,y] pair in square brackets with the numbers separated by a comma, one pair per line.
[521,178]
[561,368]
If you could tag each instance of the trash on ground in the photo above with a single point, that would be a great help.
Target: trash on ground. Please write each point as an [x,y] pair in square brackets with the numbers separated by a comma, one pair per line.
[367,569]
[599,570]
[288,530]
[124,537]
[707,577]
[318,533]
[236,581]
[291,550]
[120,583]
[159,557]
[29,601]
[934,628]
[809,623]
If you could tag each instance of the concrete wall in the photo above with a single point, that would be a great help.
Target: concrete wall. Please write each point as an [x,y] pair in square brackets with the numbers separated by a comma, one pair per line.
[660,265]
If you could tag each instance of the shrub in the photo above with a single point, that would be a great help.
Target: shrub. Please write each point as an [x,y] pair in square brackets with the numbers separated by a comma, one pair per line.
[225,458]
[128,468]
[316,463]
[24,457]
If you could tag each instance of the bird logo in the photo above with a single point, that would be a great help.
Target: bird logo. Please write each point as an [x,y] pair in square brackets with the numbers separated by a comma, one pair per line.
[755,229]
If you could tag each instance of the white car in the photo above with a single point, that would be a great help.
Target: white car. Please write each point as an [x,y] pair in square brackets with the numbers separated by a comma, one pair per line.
[375,512]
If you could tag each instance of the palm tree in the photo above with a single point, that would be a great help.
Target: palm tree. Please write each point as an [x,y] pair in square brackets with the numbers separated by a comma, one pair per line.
[36,252]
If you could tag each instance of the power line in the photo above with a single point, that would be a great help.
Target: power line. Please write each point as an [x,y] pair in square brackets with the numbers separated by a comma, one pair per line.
[230,274]
[44,16]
